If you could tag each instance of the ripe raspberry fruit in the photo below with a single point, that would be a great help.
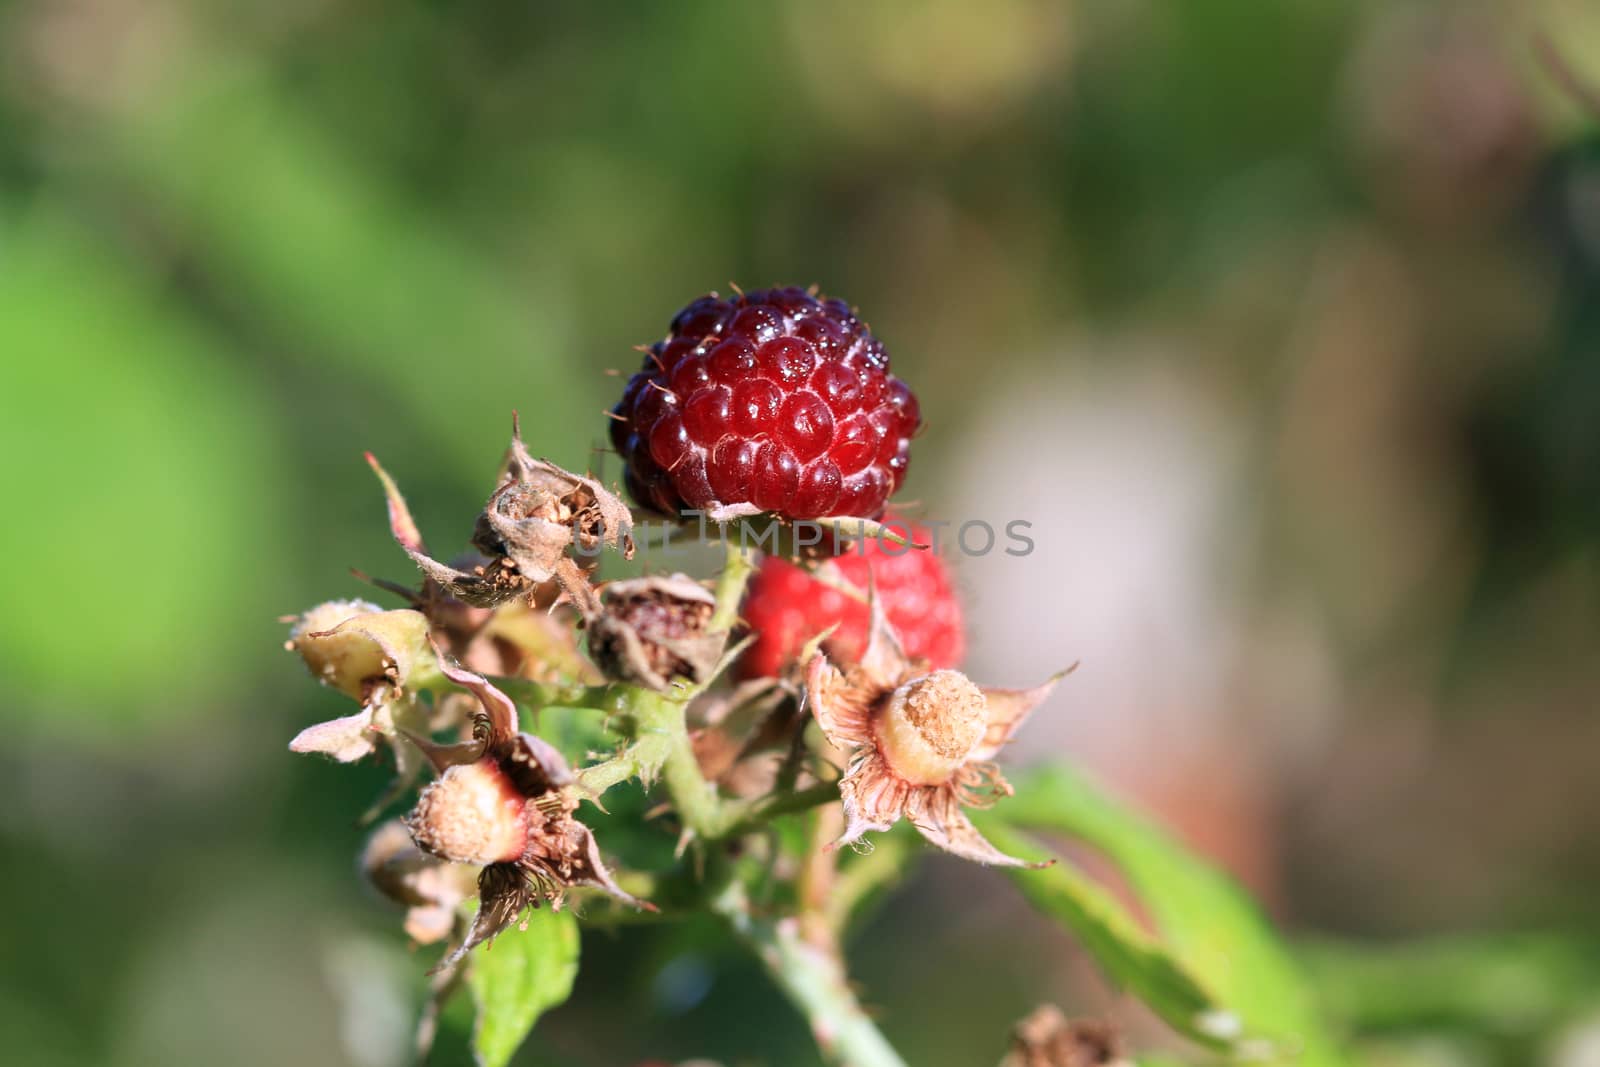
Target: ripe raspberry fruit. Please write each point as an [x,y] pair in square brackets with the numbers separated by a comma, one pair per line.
[786,607]
[777,401]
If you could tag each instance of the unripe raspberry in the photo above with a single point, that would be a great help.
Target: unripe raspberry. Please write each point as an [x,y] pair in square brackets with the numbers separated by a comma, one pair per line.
[786,606]
[929,726]
[778,401]
[471,814]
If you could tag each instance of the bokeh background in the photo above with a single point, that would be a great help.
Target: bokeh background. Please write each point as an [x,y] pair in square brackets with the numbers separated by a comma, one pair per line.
[1279,321]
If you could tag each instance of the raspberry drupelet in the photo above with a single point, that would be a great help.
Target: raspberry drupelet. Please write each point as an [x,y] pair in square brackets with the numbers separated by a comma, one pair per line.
[785,606]
[773,401]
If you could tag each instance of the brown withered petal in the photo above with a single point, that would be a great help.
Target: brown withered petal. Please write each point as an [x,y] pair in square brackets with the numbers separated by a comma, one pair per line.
[499,768]
[1047,1038]
[541,510]
[504,893]
[919,743]
[363,651]
[649,631]
[1008,709]
[534,517]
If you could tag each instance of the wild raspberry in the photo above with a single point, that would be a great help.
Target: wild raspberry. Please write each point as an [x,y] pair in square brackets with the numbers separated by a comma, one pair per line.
[786,607]
[777,401]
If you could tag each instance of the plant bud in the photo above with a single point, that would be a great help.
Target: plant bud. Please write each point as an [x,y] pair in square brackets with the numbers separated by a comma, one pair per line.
[362,650]
[652,630]
[472,813]
[930,725]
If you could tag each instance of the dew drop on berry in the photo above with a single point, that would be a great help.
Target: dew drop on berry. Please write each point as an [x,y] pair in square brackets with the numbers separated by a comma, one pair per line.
[707,414]
[733,469]
[817,491]
[756,403]
[733,360]
[786,359]
[875,355]
[805,425]
[822,333]
[776,475]
[899,465]
[761,323]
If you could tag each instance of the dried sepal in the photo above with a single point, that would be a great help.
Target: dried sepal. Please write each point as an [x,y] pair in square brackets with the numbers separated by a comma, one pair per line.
[540,511]
[377,657]
[650,631]
[363,651]
[918,744]
[532,522]
[506,801]
[1008,709]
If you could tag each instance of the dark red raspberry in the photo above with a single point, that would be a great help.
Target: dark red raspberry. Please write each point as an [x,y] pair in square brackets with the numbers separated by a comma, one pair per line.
[777,401]
[786,607]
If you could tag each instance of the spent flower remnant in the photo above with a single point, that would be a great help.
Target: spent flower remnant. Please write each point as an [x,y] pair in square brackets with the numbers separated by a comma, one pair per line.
[770,407]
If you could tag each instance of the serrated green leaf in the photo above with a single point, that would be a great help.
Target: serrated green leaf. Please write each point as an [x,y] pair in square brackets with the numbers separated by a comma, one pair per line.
[1208,922]
[524,973]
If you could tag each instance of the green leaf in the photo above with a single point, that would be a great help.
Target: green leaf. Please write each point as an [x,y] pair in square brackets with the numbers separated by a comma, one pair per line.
[1129,955]
[517,978]
[1209,923]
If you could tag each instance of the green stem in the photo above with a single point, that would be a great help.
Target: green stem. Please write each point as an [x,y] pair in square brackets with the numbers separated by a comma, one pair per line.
[740,816]
[558,695]
[813,980]
[736,571]
[694,798]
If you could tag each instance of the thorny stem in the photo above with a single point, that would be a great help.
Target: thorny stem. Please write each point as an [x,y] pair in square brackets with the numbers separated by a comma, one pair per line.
[813,980]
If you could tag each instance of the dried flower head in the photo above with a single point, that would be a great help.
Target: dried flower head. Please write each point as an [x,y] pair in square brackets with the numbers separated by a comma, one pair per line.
[652,630]
[505,801]
[1047,1038]
[920,742]
[539,514]
[378,658]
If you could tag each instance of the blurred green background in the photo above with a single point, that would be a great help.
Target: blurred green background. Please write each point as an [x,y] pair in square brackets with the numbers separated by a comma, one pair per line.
[1281,321]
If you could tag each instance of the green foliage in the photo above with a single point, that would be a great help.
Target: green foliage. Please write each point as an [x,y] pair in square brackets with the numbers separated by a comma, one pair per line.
[521,976]
[1130,956]
[156,498]
[1512,990]
[1211,927]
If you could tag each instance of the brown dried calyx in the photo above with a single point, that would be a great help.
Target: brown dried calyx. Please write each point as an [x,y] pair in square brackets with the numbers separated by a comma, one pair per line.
[527,530]
[1047,1038]
[921,743]
[650,631]
[505,801]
